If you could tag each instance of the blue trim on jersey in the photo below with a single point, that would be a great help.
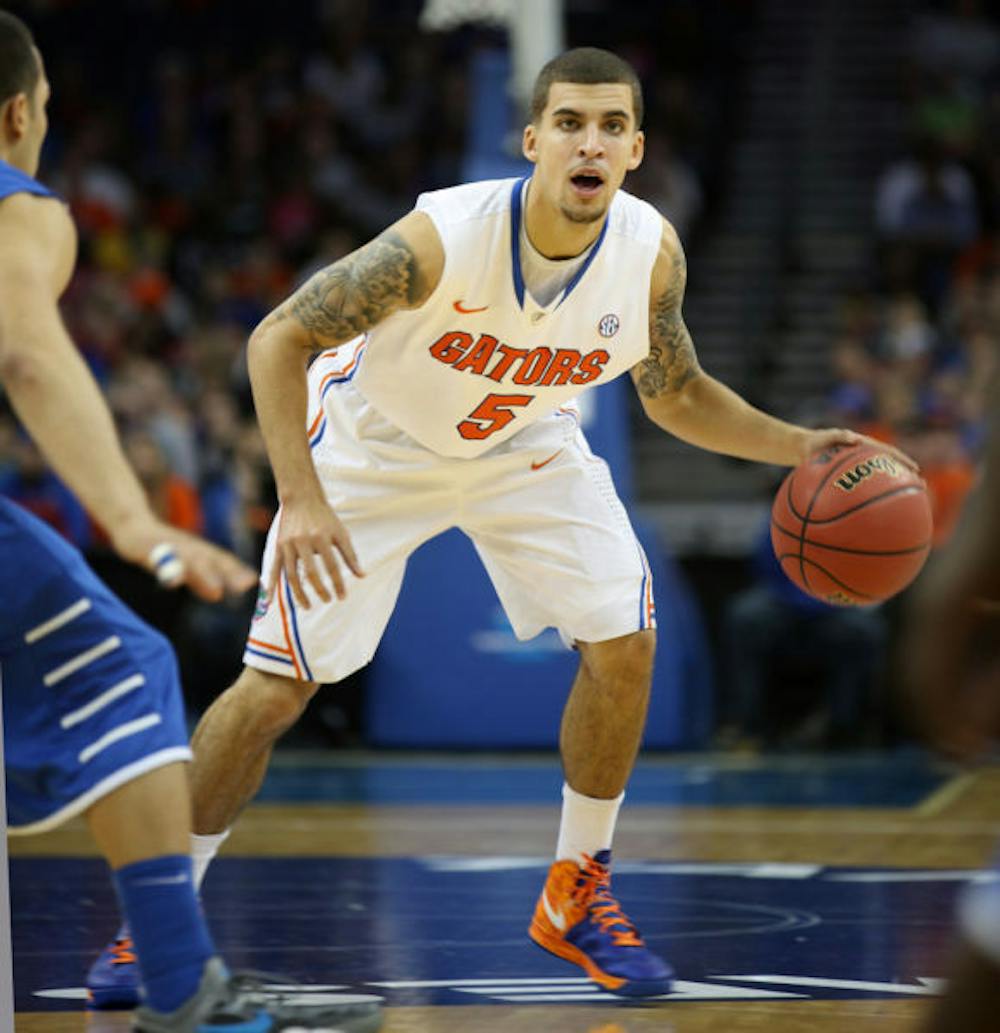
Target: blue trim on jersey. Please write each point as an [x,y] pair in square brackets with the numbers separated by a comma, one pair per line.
[339,380]
[295,631]
[14,181]
[515,240]
[318,436]
[267,656]
[515,247]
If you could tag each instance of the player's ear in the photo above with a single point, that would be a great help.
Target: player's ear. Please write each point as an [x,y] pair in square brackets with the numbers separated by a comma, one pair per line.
[529,143]
[638,150]
[14,116]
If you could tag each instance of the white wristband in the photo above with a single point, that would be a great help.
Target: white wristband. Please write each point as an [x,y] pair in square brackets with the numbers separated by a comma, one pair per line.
[166,564]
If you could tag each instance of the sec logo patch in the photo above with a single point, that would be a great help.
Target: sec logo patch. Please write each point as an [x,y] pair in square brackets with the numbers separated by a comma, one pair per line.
[608,326]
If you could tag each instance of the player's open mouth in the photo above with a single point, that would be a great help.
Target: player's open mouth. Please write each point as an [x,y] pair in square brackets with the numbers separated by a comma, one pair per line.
[587,184]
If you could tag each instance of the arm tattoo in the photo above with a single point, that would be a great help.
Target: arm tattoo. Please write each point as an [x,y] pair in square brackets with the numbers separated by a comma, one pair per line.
[360,290]
[671,362]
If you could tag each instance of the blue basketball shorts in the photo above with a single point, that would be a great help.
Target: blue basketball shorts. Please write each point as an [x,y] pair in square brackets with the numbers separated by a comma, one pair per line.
[91,694]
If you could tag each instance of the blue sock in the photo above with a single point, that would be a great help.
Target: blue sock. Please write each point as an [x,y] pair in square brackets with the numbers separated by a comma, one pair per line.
[171,939]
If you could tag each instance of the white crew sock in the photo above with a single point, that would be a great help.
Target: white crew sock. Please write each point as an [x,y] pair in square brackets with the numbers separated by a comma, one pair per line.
[588,825]
[203,849]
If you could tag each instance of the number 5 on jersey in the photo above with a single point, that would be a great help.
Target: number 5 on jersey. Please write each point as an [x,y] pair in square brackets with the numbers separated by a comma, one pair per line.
[493,413]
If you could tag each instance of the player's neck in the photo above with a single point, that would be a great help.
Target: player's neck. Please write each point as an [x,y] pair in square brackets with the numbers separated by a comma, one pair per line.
[14,157]
[553,235]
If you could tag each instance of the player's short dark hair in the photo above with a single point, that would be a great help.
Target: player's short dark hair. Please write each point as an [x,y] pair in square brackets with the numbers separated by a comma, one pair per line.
[588,65]
[19,69]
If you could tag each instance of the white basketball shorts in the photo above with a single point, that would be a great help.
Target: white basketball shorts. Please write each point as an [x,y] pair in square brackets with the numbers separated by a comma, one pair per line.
[540,508]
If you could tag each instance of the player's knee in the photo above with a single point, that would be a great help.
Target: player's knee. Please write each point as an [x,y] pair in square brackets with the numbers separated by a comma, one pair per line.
[626,662]
[640,652]
[273,703]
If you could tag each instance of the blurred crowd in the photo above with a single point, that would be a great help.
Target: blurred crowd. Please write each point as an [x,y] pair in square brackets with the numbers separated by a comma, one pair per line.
[918,347]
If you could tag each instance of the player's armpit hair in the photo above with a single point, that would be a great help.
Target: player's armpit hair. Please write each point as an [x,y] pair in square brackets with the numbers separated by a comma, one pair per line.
[671,362]
[356,293]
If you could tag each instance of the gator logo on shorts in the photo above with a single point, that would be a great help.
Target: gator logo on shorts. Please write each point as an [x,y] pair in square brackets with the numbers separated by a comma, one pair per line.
[262,602]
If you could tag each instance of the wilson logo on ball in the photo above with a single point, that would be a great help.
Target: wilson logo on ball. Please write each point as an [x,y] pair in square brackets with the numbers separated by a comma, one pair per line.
[850,479]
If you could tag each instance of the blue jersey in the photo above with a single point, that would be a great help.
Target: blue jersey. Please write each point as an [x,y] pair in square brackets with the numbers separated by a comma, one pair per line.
[14,181]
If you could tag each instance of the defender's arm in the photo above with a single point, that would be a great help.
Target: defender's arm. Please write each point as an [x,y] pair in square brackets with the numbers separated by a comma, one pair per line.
[46,379]
[60,405]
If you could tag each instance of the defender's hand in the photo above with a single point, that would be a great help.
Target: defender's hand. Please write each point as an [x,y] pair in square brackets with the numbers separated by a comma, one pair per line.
[820,440]
[307,529]
[178,558]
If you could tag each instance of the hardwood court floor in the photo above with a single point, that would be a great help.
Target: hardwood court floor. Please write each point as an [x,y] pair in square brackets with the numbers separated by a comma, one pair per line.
[955,827]
[790,1017]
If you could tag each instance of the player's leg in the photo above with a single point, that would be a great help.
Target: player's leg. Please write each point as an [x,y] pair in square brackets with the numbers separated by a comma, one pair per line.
[577,918]
[142,829]
[561,552]
[290,650]
[605,714]
[233,741]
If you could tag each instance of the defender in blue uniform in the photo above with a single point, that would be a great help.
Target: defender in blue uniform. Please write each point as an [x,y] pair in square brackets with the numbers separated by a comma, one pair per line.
[92,713]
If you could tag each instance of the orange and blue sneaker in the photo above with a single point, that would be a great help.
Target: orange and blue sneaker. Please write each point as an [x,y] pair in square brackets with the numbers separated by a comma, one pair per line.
[113,979]
[578,920]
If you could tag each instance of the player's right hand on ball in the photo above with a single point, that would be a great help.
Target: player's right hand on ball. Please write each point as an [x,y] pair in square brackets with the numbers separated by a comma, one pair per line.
[309,534]
[177,558]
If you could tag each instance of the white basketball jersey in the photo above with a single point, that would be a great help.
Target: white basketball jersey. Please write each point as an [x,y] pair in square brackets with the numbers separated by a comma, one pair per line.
[480,360]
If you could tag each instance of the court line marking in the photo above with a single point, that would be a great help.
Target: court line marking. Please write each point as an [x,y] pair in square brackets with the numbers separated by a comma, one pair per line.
[946,795]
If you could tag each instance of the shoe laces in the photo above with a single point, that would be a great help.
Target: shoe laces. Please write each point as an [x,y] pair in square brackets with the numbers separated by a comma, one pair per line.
[123,952]
[593,892]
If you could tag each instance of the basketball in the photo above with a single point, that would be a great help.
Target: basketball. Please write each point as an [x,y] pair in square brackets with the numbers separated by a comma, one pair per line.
[852,526]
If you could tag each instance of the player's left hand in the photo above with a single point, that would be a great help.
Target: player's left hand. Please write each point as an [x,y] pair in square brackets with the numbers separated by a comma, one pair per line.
[821,440]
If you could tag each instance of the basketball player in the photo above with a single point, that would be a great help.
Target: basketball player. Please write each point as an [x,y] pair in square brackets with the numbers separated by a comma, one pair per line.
[952,658]
[448,352]
[92,711]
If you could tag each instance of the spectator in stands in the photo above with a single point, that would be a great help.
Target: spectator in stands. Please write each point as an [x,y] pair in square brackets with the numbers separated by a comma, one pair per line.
[926,213]
[174,499]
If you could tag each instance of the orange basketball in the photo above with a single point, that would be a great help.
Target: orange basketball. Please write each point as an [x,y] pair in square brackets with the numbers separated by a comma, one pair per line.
[851,526]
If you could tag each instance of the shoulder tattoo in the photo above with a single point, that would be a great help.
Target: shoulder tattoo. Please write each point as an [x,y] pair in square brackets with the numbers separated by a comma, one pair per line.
[671,362]
[354,294]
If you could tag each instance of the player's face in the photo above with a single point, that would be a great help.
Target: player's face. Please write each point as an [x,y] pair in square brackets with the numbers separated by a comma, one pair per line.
[582,146]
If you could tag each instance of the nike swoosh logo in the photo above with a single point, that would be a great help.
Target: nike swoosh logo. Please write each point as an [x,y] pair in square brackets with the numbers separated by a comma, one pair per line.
[545,462]
[557,918]
[459,307]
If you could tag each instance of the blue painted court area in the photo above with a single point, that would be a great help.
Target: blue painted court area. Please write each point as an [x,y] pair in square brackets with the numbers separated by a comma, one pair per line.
[452,931]
[900,780]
